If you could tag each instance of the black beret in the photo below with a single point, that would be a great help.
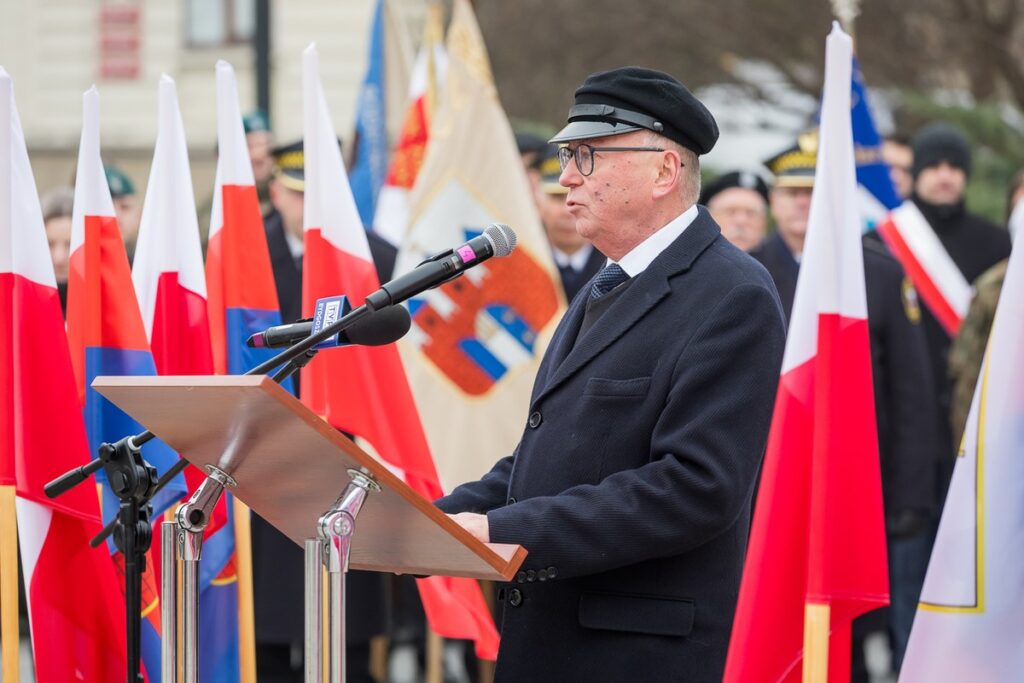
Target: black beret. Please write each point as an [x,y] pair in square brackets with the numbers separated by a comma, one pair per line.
[633,98]
[938,142]
[745,179]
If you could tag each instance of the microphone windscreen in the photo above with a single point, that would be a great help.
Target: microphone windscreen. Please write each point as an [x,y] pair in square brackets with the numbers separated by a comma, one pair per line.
[381,327]
[502,238]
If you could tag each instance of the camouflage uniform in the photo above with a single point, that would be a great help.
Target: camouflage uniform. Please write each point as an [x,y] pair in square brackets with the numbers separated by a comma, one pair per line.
[968,349]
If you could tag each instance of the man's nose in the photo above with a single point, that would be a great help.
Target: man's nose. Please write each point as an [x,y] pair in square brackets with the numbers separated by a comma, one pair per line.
[570,176]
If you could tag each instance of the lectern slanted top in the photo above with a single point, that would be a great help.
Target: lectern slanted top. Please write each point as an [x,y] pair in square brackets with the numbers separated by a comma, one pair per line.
[290,466]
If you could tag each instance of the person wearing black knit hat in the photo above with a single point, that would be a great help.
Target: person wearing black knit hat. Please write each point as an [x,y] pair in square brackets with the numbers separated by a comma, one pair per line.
[631,484]
[941,169]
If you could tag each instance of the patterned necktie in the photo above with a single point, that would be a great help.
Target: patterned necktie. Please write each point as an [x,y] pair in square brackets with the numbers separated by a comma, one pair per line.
[610,277]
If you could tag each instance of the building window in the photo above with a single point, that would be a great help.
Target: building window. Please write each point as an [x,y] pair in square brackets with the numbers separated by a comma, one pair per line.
[212,23]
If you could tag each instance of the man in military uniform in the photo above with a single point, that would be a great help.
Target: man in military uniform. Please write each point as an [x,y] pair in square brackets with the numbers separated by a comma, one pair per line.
[904,391]
[738,201]
[577,259]
[277,561]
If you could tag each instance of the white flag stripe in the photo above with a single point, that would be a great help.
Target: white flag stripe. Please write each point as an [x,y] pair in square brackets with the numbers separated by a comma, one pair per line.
[833,223]
[7,114]
[933,257]
[92,194]
[23,249]
[233,164]
[232,152]
[329,204]
[169,229]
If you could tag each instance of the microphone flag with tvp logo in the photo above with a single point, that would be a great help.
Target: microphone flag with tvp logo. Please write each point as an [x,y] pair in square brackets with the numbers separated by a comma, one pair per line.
[476,342]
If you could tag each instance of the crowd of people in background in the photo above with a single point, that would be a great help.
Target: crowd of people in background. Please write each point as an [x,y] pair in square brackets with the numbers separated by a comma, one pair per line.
[924,378]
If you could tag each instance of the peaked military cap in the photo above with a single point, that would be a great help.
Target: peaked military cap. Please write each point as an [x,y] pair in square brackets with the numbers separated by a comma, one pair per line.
[794,166]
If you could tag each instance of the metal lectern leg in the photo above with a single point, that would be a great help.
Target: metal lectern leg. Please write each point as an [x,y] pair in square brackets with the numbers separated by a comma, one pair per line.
[314,603]
[191,545]
[335,530]
[191,521]
[169,602]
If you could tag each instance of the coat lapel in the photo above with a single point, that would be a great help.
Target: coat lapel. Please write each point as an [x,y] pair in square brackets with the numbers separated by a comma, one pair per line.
[650,288]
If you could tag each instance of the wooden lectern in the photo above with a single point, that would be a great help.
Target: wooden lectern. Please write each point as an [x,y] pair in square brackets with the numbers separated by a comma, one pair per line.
[309,481]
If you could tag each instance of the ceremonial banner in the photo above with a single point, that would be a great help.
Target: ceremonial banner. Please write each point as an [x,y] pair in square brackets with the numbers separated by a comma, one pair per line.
[969,621]
[169,279]
[76,609]
[476,342]
[106,337]
[817,556]
[362,389]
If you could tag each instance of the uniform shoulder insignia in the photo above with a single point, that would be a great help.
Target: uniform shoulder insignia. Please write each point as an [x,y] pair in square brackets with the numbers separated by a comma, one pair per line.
[911,304]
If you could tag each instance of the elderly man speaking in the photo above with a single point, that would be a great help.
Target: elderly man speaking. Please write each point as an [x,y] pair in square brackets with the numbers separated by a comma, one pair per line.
[631,485]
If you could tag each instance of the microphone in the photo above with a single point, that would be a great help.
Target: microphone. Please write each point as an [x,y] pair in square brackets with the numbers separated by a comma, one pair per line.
[380,327]
[497,240]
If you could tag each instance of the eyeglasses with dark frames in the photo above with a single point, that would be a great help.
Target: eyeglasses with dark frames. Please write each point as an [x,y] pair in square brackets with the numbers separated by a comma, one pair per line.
[584,155]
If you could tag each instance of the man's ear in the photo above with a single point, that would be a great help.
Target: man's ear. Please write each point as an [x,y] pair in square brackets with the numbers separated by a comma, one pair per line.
[669,174]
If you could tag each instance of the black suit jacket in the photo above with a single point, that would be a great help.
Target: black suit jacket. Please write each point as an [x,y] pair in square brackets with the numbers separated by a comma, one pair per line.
[631,485]
[277,561]
[905,395]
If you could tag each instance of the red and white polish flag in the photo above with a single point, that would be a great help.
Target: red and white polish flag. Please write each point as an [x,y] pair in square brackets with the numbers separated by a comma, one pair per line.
[817,555]
[363,390]
[76,610]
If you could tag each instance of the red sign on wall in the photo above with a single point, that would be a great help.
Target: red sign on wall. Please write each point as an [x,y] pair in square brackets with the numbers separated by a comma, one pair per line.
[120,38]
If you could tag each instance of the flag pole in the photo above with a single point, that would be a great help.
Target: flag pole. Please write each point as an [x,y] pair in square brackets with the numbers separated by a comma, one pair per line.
[816,632]
[9,583]
[246,614]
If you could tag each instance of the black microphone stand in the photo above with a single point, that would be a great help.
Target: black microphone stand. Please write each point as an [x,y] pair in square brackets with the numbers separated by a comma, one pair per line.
[134,481]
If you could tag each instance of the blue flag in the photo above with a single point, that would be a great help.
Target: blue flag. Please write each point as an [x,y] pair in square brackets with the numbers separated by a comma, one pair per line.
[371,139]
